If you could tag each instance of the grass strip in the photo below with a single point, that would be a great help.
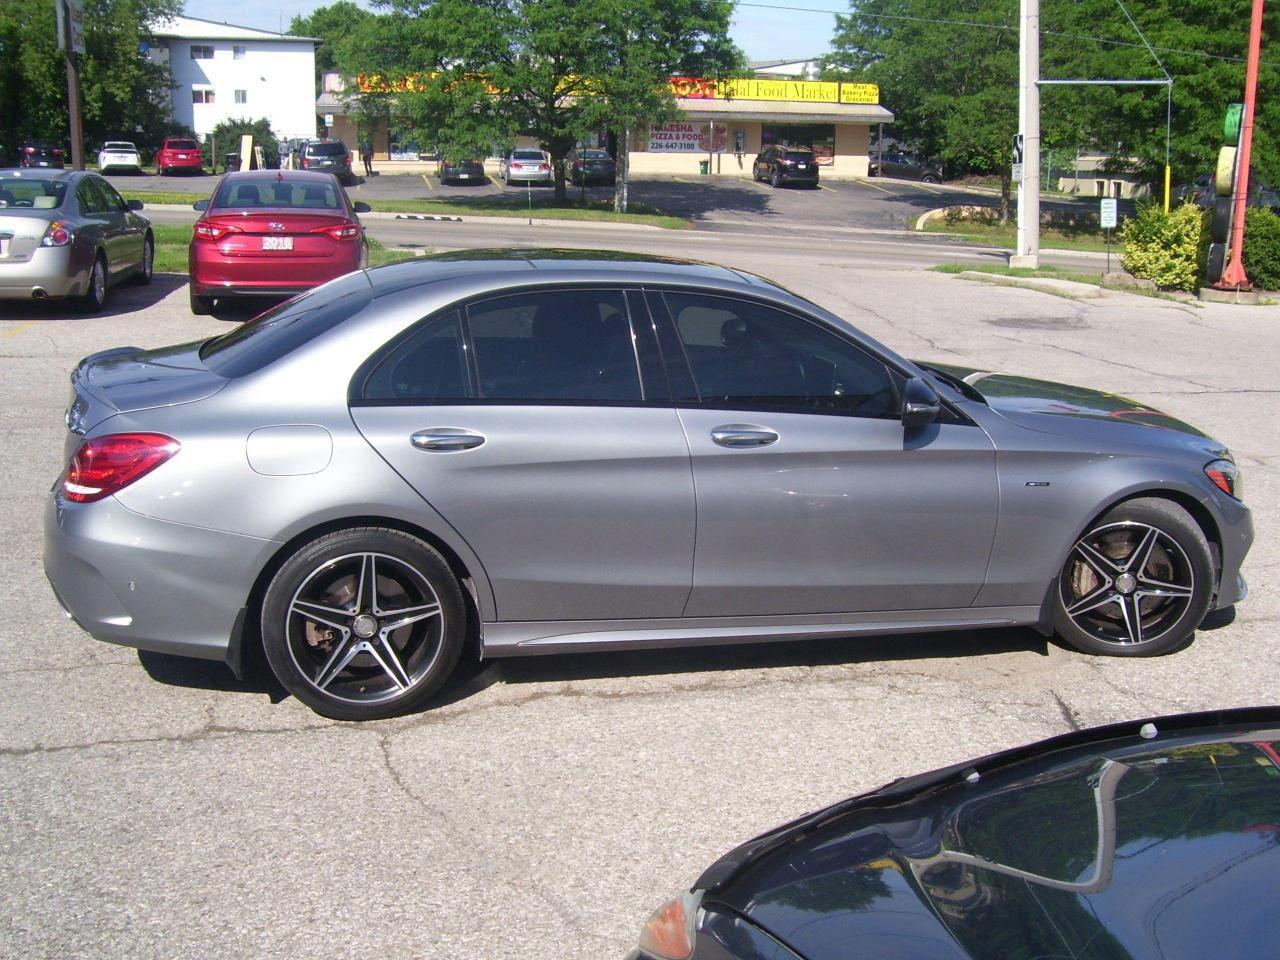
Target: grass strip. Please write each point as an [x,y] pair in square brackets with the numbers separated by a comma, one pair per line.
[1047,272]
[171,250]
[1006,236]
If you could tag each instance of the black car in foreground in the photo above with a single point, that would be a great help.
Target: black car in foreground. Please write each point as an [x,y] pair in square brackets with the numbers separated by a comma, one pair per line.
[782,165]
[591,166]
[1136,841]
[454,170]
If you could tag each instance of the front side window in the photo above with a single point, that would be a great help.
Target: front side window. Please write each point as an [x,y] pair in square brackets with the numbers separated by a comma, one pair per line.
[748,354]
[200,51]
[573,345]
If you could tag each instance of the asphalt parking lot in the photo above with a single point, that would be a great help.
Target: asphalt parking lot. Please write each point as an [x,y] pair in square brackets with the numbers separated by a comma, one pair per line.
[155,807]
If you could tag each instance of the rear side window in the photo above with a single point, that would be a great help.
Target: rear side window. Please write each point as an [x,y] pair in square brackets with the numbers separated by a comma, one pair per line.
[271,335]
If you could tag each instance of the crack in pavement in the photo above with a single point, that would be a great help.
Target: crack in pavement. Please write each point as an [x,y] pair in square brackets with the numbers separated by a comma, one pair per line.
[1068,713]
[1115,363]
[210,731]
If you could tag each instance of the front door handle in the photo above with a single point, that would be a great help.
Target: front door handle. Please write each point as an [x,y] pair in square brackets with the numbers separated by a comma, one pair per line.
[743,435]
[445,439]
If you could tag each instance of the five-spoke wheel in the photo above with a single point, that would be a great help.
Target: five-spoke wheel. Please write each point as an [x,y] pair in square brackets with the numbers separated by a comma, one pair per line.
[1137,583]
[363,623]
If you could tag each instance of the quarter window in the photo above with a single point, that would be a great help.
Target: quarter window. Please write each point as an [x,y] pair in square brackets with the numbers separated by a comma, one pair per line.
[563,345]
[429,367]
[200,51]
[744,353]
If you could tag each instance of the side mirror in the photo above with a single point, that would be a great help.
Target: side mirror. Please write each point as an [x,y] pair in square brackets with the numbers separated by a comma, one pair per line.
[920,404]
[361,207]
[135,204]
[200,205]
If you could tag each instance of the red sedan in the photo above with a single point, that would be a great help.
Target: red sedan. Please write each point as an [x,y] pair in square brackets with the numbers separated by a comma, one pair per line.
[268,232]
[178,153]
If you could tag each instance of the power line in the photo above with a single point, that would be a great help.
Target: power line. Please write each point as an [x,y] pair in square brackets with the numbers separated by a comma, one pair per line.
[992,26]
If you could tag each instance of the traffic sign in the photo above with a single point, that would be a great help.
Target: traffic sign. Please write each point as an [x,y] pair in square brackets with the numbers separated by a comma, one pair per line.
[1107,213]
[1017,151]
[1016,173]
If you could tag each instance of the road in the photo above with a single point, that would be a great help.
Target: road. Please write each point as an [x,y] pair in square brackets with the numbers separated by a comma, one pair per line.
[153,807]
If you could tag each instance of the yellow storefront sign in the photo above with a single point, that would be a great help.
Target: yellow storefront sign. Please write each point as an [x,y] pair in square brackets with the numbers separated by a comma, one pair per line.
[859,93]
[789,91]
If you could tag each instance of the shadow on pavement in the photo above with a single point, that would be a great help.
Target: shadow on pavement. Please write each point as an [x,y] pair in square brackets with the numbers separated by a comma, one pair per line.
[213,674]
[126,297]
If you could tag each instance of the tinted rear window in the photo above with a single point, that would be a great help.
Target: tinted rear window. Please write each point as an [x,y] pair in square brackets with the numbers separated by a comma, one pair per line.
[181,145]
[594,155]
[244,194]
[271,335]
[801,155]
[326,149]
[27,193]
[527,155]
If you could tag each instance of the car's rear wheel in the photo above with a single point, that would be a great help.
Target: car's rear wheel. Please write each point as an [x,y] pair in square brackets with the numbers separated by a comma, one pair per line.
[200,306]
[96,296]
[930,178]
[364,623]
[775,180]
[1137,583]
[147,266]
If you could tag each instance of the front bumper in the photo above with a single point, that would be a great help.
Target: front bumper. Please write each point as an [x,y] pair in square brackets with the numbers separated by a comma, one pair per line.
[54,270]
[1235,528]
[146,583]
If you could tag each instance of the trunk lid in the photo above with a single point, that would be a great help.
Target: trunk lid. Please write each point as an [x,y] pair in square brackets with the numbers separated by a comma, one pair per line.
[20,234]
[281,234]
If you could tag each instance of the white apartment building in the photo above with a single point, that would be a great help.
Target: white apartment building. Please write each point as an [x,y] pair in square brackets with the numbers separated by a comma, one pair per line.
[223,72]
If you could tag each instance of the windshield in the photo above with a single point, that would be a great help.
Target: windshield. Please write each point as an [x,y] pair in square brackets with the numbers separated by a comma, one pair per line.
[309,195]
[28,193]
[180,145]
[281,330]
[326,149]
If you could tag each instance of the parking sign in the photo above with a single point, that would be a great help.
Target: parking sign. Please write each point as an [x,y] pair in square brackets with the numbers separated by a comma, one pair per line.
[1108,213]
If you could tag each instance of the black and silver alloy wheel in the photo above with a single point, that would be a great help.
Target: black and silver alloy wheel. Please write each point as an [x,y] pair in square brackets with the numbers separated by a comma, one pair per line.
[363,624]
[96,295]
[1138,583]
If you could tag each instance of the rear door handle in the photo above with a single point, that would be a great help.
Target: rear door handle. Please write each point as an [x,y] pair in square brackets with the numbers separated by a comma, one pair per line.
[446,439]
[743,435]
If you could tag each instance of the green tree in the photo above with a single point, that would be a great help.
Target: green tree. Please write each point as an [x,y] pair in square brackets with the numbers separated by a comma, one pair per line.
[557,70]
[225,138]
[124,93]
[335,24]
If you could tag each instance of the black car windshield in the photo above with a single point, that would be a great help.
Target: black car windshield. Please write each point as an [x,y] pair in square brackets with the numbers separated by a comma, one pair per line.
[279,331]
[181,145]
[27,193]
[326,149]
[247,194]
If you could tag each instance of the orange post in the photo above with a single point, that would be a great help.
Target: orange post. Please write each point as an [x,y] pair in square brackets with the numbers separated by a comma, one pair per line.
[1233,277]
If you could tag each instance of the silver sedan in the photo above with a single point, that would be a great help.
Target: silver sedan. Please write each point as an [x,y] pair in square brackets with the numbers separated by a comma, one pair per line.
[67,233]
[525,165]
[524,452]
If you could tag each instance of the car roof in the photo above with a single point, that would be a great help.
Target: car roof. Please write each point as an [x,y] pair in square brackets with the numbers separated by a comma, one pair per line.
[299,176]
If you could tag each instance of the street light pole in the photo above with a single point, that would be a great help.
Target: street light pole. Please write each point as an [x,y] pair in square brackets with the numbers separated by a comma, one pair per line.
[1027,253]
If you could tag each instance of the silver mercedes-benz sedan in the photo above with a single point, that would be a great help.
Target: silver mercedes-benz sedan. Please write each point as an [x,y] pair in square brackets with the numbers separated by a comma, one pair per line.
[67,233]
[540,452]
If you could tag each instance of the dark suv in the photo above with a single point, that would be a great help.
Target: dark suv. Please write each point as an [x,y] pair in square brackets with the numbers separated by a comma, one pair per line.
[41,153]
[781,165]
[327,156]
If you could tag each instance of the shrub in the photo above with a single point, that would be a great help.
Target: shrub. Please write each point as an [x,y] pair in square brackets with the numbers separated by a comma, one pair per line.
[1164,247]
[1262,248]
[226,137]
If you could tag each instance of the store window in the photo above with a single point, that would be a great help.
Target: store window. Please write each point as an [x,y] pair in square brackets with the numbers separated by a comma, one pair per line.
[818,137]
[200,51]
[408,143]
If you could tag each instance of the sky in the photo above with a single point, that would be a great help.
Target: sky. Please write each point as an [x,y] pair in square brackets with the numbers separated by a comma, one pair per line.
[764,34]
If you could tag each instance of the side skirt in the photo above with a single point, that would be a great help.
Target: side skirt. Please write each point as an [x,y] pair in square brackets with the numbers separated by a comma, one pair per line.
[514,639]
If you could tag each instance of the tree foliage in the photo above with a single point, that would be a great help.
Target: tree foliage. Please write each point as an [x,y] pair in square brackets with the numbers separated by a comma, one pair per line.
[557,70]
[949,72]
[123,92]
[225,138]
[336,24]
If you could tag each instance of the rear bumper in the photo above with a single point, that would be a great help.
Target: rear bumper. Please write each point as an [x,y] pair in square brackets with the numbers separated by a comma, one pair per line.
[147,583]
[180,164]
[520,176]
[247,276]
[53,270]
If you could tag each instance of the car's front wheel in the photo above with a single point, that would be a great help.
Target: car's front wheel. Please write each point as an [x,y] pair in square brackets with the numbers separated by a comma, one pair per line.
[1137,583]
[364,623]
[775,180]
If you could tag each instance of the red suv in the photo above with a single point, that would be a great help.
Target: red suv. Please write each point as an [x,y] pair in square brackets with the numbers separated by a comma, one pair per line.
[178,153]
[273,233]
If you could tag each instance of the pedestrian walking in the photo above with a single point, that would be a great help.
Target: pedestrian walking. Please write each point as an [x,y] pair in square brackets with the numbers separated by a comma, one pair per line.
[366,153]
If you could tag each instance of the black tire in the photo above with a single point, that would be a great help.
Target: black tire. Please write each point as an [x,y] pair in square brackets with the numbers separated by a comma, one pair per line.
[200,306]
[929,178]
[143,275]
[1217,262]
[1137,583]
[775,180]
[338,644]
[95,297]
[1221,225]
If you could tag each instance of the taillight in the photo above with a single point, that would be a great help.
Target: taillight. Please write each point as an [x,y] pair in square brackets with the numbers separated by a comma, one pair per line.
[57,235]
[306,163]
[57,152]
[215,231]
[108,464]
[544,166]
[28,149]
[341,231]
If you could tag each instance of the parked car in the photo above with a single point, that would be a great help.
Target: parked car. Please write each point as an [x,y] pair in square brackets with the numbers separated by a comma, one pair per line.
[69,234]
[1199,191]
[41,153]
[457,170]
[1147,840]
[591,166]
[525,165]
[327,156]
[269,233]
[179,155]
[783,165]
[700,457]
[903,166]
[119,155]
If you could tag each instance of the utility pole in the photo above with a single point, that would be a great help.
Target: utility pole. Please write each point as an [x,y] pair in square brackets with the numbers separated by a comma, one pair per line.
[1234,276]
[1027,253]
[71,41]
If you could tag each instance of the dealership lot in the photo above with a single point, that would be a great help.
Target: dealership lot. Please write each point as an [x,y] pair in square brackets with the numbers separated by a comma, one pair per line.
[155,807]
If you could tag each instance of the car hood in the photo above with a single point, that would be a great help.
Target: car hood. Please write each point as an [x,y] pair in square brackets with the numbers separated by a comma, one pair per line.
[1122,842]
[1051,407]
[129,379]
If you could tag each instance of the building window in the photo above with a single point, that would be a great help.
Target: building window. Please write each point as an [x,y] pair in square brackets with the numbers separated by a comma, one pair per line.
[242,96]
[237,51]
[818,137]
[202,96]
[200,51]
